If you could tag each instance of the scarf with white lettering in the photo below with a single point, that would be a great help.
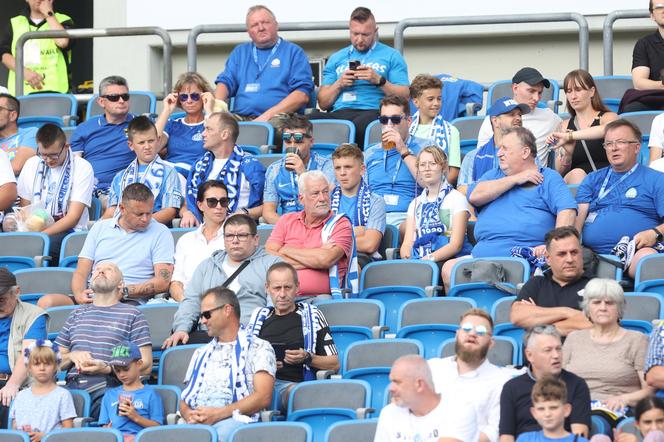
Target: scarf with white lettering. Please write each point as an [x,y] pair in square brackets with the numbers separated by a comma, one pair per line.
[362,205]
[152,177]
[440,134]
[351,281]
[55,202]
[430,229]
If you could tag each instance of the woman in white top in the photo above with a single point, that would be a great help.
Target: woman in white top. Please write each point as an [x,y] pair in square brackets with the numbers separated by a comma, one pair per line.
[193,247]
[437,219]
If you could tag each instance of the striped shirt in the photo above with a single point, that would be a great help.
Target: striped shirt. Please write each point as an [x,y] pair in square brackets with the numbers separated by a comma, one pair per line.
[98,329]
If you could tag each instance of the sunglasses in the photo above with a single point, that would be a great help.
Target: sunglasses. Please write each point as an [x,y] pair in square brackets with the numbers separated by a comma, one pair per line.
[480,330]
[116,97]
[195,96]
[297,137]
[207,314]
[395,119]
[214,202]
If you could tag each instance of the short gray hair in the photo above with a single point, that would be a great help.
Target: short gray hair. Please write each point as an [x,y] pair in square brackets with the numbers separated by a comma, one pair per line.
[309,175]
[113,80]
[525,137]
[538,330]
[257,8]
[418,369]
[600,288]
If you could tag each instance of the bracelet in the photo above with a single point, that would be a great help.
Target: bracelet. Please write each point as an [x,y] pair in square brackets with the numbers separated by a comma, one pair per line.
[50,13]
[406,155]
[570,135]
[382,81]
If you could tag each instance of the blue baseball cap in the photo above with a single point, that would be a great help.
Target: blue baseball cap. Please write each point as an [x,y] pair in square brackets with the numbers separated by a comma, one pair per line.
[504,105]
[124,354]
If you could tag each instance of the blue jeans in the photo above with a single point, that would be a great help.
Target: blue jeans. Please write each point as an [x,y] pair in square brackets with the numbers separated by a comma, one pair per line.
[226,427]
[281,388]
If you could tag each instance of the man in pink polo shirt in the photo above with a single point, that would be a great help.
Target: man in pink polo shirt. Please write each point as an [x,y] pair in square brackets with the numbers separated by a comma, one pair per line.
[311,240]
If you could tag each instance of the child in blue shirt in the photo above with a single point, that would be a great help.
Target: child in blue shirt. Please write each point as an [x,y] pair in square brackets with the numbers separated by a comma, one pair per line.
[132,406]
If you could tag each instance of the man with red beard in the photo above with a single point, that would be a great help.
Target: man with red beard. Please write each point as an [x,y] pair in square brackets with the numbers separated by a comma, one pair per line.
[469,374]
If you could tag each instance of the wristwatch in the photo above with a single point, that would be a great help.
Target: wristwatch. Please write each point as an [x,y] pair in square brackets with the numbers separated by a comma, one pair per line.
[406,154]
[382,81]
[660,236]
[307,359]
[50,13]
[125,293]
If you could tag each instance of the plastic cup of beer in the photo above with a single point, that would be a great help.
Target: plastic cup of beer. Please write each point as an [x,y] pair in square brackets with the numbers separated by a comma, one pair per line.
[389,144]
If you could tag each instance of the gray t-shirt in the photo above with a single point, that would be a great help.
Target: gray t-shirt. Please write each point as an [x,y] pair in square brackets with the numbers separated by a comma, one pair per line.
[42,412]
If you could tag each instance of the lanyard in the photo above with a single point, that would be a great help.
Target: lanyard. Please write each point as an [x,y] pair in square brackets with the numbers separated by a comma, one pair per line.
[267,60]
[603,191]
[396,169]
[351,48]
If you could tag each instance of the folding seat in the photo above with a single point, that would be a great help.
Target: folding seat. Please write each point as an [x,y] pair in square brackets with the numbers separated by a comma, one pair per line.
[86,434]
[357,431]
[173,364]
[70,248]
[42,280]
[612,88]
[23,250]
[178,433]
[271,431]
[650,275]
[353,320]
[39,109]
[57,317]
[255,137]
[469,129]
[329,134]
[13,436]
[160,320]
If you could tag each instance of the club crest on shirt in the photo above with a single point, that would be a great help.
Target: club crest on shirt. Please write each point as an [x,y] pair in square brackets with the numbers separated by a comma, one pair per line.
[198,136]
[275,63]
[631,193]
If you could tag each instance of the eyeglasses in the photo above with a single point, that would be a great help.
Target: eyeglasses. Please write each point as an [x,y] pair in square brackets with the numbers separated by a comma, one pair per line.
[480,330]
[239,236]
[51,156]
[620,144]
[116,97]
[195,96]
[297,137]
[395,119]
[214,202]
[7,109]
[428,165]
[207,314]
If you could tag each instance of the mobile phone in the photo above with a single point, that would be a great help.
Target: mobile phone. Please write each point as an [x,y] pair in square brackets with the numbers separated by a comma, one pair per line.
[279,350]
[354,64]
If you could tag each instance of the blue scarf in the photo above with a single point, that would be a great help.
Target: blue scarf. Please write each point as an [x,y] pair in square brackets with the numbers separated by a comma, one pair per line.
[286,183]
[56,204]
[363,202]
[310,327]
[230,175]
[485,159]
[152,177]
[352,273]
[441,131]
[430,230]
[528,254]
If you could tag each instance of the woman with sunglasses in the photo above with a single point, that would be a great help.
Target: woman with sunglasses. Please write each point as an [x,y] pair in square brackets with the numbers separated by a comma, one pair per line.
[437,219]
[182,138]
[193,247]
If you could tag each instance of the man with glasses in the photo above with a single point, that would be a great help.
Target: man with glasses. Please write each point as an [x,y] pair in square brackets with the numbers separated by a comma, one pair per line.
[544,354]
[60,181]
[281,176]
[17,142]
[102,140]
[230,379]
[469,374]
[391,165]
[358,76]
[241,267]
[24,323]
[621,207]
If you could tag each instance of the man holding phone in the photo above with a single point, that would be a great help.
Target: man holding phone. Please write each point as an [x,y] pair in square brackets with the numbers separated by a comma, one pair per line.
[358,76]
[298,332]
[281,177]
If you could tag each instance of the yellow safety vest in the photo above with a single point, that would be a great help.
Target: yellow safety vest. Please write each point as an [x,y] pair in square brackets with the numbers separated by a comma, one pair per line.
[52,59]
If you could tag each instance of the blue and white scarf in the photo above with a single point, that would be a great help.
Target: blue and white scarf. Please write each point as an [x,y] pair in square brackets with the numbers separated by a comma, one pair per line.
[310,327]
[429,228]
[55,202]
[230,175]
[352,273]
[286,183]
[441,131]
[238,381]
[528,253]
[152,177]
[363,202]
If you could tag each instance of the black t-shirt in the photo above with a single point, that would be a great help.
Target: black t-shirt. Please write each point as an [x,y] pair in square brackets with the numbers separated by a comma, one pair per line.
[545,292]
[649,52]
[287,329]
[515,403]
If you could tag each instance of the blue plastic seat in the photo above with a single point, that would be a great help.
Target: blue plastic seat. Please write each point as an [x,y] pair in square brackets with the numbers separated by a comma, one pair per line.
[612,88]
[23,250]
[39,109]
[638,325]
[430,335]
[70,248]
[393,298]
[267,431]
[355,430]
[372,134]
[650,275]
[505,351]
[500,310]
[254,134]
[514,332]
[550,95]
[328,134]
[173,433]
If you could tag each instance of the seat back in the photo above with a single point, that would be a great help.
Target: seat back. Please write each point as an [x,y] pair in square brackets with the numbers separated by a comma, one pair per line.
[141,102]
[642,119]
[178,433]
[82,402]
[72,245]
[333,131]
[503,88]
[177,233]
[170,397]
[434,311]
[28,244]
[500,312]
[45,280]
[648,269]
[468,127]
[336,393]
[505,350]
[160,320]
[611,89]
[271,431]
[84,435]
[390,239]
[267,159]
[516,270]
[399,272]
[255,133]
[357,431]
[357,312]
[57,317]
[49,105]
[372,134]
[378,353]
[643,306]
[264,231]
[14,436]
[174,363]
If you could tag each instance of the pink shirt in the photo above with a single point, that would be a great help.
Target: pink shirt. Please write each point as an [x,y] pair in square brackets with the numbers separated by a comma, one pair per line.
[291,231]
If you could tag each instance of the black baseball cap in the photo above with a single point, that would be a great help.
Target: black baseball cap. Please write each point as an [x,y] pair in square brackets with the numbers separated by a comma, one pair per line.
[531,76]
[7,280]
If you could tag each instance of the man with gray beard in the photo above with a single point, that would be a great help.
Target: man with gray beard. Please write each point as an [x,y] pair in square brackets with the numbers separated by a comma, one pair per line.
[469,376]
[110,323]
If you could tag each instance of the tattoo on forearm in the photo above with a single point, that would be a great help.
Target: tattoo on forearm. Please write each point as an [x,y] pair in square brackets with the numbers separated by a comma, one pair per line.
[165,274]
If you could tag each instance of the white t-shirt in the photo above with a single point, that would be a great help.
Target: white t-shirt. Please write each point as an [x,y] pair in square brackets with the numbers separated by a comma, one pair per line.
[448,419]
[245,187]
[6,171]
[191,250]
[481,387]
[82,182]
[657,132]
[229,270]
[541,122]
[658,164]
[455,202]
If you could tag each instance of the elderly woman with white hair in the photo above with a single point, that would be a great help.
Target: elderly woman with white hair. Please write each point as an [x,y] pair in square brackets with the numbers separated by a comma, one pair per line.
[609,357]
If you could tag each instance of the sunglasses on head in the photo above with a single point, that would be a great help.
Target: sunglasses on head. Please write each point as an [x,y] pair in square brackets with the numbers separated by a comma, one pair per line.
[297,137]
[214,202]
[195,96]
[395,119]
[116,97]
[207,314]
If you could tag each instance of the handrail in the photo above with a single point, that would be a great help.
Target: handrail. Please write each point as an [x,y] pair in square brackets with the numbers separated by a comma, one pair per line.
[499,19]
[607,33]
[192,50]
[106,32]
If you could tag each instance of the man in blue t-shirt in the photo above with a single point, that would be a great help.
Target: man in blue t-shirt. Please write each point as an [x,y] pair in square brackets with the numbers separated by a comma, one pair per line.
[267,77]
[624,202]
[102,140]
[358,76]
[280,195]
[18,143]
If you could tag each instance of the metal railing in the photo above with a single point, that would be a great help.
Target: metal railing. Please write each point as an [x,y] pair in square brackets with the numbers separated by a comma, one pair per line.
[192,50]
[607,33]
[499,19]
[89,33]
